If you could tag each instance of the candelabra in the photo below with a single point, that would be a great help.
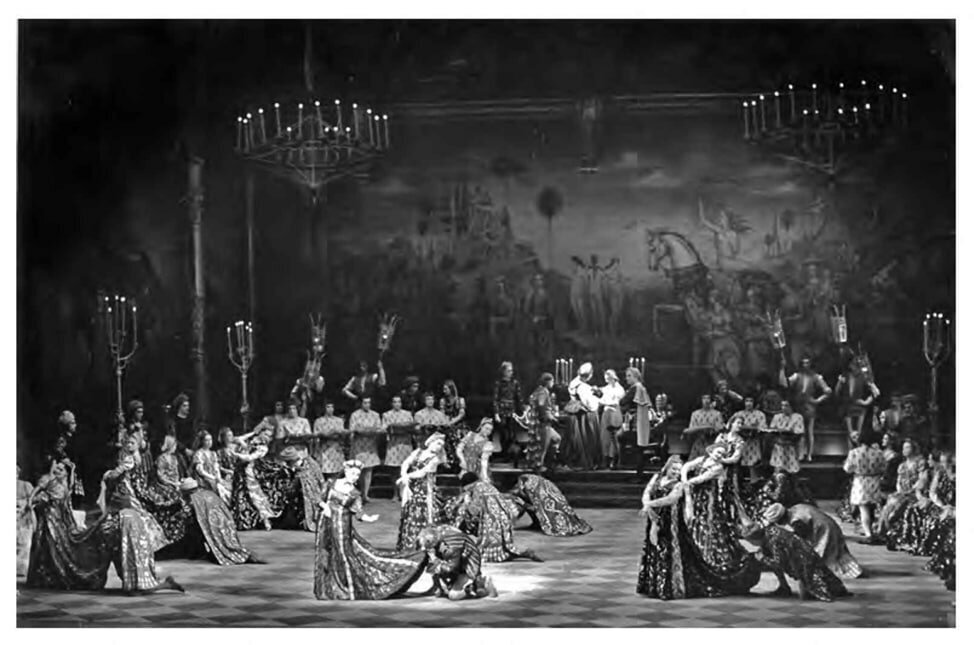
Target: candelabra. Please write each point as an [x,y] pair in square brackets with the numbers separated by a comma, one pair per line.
[240,350]
[936,349]
[119,314]
[564,370]
[820,118]
[387,329]
[640,364]
[776,332]
[313,147]
[840,328]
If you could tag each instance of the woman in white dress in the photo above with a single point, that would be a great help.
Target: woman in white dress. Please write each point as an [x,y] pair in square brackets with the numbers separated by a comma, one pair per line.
[611,419]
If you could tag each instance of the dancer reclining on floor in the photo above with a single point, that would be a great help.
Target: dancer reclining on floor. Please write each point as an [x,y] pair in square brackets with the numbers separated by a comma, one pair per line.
[454,563]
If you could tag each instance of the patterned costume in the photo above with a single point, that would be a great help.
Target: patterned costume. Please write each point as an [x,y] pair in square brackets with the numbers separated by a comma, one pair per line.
[473,448]
[398,425]
[661,566]
[349,568]
[825,536]
[455,562]
[482,511]
[866,464]
[25,526]
[701,418]
[217,529]
[452,407]
[365,426]
[251,505]
[206,468]
[784,454]
[786,553]
[547,506]
[908,474]
[430,420]
[159,499]
[423,507]
[751,420]
[330,453]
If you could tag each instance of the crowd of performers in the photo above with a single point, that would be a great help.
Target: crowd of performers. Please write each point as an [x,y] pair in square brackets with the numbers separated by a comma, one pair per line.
[711,530]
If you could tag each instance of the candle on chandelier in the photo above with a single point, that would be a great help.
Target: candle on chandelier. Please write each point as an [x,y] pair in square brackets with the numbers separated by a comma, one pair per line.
[288,133]
[123,308]
[764,124]
[355,118]
[239,132]
[338,112]
[385,121]
[250,129]
[815,96]
[895,105]
[754,116]
[791,96]
[300,120]
[277,117]
[263,130]
[881,99]
[903,110]
[135,322]
[855,115]
[747,124]
[805,128]
[321,122]
[368,119]
[777,109]
[246,147]
[841,93]
[229,344]
[378,132]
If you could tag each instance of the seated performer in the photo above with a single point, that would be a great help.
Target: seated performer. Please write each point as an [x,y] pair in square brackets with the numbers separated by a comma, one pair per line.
[908,473]
[206,466]
[818,529]
[482,511]
[548,507]
[347,567]
[331,434]
[156,495]
[474,451]
[454,562]
[784,553]
[68,558]
[705,423]
[25,524]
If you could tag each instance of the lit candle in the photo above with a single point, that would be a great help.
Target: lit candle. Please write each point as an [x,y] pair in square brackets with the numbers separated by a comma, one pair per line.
[277,117]
[378,133]
[903,109]
[229,344]
[881,99]
[300,120]
[239,132]
[895,105]
[321,123]
[791,96]
[263,130]
[777,109]
[246,136]
[805,128]
[135,322]
[123,312]
[747,135]
[250,129]
[368,118]
[764,125]
[855,115]
[814,96]
[338,112]
[240,337]
[841,93]
[288,133]
[385,122]
[355,118]
[754,116]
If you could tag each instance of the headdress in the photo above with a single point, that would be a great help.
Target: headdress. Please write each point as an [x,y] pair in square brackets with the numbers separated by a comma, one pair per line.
[353,463]
[67,417]
[436,436]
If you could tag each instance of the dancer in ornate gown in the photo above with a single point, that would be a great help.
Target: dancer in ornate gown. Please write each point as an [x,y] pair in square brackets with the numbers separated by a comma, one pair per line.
[68,558]
[421,503]
[661,572]
[206,466]
[214,528]
[611,419]
[251,505]
[908,473]
[454,407]
[346,566]
[157,497]
[813,525]
[25,524]
[548,508]
[455,563]
[712,515]
[482,511]
[582,446]
[226,455]
[474,450]
[784,553]
[332,436]
[940,540]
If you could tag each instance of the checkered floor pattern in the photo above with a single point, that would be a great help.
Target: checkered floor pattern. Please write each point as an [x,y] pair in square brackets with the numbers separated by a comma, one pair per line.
[585,581]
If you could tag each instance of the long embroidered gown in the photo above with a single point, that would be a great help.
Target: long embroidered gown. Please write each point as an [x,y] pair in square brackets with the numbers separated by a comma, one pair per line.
[206,467]
[349,568]
[548,507]
[162,501]
[661,566]
[788,553]
[936,529]
[452,407]
[908,475]
[250,504]
[482,511]
[217,528]
[424,507]
[65,557]
[825,536]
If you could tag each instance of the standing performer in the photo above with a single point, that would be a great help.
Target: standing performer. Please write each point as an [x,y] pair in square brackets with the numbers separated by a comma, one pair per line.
[638,406]
[365,426]
[364,384]
[753,423]
[809,390]
[412,400]
[454,562]
[251,505]
[183,428]
[705,423]
[585,422]
[611,421]
[507,403]
[399,427]
[661,573]
[330,431]
[421,506]
[455,408]
[475,449]
[346,566]
[866,464]
[788,428]
[25,524]
[430,420]
[856,392]
[540,420]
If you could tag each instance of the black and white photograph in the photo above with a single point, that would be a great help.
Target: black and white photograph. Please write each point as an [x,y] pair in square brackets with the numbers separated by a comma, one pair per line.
[565,322]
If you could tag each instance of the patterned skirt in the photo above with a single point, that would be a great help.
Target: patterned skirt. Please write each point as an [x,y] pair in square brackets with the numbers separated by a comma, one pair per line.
[399,447]
[905,533]
[217,527]
[549,508]
[489,517]
[165,504]
[785,457]
[751,454]
[944,560]
[865,490]
[331,456]
[365,448]
[788,553]
[249,502]
[415,515]
[661,567]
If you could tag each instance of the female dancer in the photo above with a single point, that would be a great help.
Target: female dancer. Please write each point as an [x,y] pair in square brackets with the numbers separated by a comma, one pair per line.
[160,499]
[455,408]
[822,532]
[474,451]
[715,556]
[611,420]
[548,507]
[941,539]
[908,473]
[65,557]
[661,572]
[330,431]
[251,505]
[753,422]
[483,512]
[421,505]
[226,455]
[346,566]
[206,466]
[214,529]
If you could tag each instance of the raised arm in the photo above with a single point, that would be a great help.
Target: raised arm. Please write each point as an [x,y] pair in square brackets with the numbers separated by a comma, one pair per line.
[347,390]
[382,373]
[824,387]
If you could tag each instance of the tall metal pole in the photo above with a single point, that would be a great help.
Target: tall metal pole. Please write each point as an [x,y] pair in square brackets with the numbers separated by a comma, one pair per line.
[199,291]
[251,274]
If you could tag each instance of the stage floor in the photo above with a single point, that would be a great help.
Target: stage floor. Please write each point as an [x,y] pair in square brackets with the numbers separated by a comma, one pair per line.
[586,581]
